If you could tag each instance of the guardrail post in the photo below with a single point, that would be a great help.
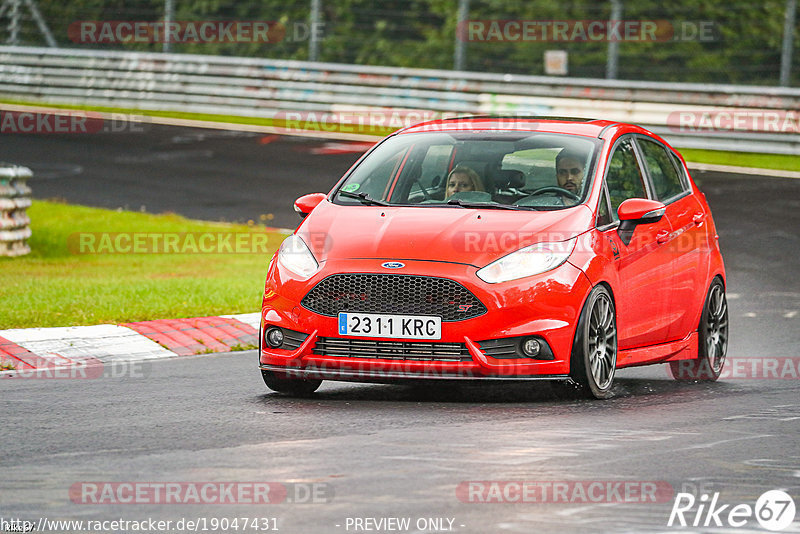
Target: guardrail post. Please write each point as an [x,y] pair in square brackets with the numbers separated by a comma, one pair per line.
[169,16]
[313,41]
[15,198]
[460,55]
[613,46]
[788,41]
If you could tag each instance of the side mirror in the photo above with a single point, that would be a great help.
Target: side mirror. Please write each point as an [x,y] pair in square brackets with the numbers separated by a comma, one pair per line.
[306,203]
[636,211]
[641,210]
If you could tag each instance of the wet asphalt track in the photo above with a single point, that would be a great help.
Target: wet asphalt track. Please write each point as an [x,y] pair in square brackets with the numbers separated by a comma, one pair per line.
[392,451]
[203,174]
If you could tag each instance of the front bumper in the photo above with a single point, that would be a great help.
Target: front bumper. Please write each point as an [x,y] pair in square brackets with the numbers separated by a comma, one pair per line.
[546,306]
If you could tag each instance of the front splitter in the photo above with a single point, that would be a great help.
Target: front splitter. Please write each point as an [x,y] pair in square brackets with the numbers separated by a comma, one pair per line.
[390,376]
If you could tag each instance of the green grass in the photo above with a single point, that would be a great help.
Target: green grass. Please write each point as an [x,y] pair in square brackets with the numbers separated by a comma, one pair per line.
[62,284]
[782,162]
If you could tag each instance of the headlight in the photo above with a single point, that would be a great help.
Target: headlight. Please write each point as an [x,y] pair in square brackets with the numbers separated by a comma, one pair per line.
[527,261]
[295,256]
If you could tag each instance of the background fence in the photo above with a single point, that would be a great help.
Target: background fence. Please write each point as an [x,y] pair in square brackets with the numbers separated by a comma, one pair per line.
[713,41]
[270,89]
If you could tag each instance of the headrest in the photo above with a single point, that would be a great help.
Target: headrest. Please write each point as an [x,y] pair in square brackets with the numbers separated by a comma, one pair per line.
[508,179]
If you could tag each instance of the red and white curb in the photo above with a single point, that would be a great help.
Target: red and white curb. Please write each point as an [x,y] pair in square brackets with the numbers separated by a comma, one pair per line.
[37,348]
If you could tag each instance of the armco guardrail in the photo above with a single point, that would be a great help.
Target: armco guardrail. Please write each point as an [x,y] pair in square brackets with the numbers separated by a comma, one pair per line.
[15,198]
[265,88]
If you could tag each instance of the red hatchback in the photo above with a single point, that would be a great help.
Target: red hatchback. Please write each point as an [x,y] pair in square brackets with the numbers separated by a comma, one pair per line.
[488,248]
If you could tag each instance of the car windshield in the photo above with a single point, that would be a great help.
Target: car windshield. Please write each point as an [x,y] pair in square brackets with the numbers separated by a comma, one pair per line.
[500,170]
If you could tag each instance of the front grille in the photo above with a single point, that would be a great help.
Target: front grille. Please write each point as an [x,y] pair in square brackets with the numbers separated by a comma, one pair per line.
[502,349]
[393,294]
[292,339]
[392,350]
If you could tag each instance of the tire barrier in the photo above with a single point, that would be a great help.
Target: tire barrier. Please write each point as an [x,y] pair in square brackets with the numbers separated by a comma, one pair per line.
[15,198]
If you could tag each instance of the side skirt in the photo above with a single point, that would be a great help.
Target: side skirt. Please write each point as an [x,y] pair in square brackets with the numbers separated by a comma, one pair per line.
[685,349]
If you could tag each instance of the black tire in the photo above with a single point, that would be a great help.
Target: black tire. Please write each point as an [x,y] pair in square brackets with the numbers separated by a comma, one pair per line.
[594,351]
[712,340]
[296,387]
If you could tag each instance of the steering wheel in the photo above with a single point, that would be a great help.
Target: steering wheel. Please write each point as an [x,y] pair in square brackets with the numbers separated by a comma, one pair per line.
[425,193]
[558,190]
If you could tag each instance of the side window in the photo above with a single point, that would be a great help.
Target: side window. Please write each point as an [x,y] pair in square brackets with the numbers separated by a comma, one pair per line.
[603,216]
[666,180]
[624,179]
[378,177]
[681,171]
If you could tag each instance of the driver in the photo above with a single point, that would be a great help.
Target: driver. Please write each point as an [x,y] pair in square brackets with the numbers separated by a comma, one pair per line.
[462,178]
[569,172]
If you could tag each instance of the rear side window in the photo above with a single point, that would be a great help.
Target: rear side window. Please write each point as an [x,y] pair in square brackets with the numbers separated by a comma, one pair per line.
[603,216]
[624,179]
[681,170]
[666,180]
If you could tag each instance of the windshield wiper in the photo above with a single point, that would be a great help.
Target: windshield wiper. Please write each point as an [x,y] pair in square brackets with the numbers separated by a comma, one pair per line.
[363,197]
[457,202]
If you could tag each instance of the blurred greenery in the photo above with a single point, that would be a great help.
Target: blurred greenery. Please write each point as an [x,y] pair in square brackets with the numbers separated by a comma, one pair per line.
[743,45]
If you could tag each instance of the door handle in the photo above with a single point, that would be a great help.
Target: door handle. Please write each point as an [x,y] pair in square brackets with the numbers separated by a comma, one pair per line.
[698,218]
[662,237]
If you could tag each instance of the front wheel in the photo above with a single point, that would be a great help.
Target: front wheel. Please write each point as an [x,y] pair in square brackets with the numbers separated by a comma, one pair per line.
[594,351]
[712,343]
[296,387]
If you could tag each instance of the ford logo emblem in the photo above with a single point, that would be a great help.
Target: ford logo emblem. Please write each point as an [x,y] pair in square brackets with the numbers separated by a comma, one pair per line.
[393,265]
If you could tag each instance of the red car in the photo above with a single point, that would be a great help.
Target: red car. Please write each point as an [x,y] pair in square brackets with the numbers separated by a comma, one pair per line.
[490,248]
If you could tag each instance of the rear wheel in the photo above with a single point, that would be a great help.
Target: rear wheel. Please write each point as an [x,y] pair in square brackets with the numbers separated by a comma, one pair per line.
[712,340]
[594,351]
[296,387]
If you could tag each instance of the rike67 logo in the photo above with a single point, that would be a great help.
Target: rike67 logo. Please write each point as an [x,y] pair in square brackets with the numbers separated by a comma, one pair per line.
[774,510]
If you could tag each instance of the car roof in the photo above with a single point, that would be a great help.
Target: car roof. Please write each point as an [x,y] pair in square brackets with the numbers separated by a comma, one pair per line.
[498,123]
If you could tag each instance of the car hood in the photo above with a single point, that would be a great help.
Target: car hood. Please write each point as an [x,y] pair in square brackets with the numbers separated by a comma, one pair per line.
[462,235]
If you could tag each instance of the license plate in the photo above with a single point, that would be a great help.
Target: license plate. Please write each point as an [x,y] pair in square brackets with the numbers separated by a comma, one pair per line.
[394,326]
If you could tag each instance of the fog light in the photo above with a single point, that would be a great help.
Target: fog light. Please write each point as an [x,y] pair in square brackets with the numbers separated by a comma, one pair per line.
[274,337]
[531,347]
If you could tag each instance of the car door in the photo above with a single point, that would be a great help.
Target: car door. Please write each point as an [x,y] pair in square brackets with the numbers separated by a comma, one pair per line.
[643,264]
[685,244]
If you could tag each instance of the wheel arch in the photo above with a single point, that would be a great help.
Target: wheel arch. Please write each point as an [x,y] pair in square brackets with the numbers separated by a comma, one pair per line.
[580,358]
[698,312]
